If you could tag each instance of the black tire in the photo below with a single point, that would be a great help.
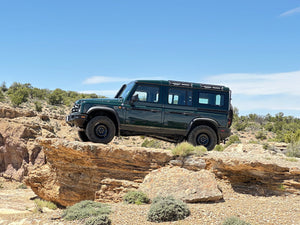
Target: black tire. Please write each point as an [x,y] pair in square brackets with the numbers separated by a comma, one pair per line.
[82,136]
[203,135]
[100,129]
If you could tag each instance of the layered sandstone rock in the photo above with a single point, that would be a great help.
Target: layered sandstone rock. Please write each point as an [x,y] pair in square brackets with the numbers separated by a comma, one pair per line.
[75,171]
[249,166]
[189,186]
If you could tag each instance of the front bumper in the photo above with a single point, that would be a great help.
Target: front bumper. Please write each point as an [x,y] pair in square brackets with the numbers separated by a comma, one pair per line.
[77,120]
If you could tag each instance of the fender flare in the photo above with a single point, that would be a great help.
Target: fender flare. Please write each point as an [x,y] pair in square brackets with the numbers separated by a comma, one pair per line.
[107,109]
[205,120]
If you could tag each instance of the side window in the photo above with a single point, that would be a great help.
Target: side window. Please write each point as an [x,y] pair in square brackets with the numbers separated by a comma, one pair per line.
[147,93]
[180,96]
[212,99]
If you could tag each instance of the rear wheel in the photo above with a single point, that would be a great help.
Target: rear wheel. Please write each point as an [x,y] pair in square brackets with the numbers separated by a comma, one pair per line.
[100,129]
[203,135]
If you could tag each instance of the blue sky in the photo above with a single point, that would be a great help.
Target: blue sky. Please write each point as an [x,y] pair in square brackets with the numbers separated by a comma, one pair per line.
[94,46]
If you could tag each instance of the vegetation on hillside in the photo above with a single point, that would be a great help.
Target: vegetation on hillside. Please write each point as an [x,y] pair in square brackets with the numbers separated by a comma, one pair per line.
[19,93]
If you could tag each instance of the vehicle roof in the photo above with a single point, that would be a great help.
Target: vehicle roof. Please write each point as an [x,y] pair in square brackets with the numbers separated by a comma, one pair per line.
[185,84]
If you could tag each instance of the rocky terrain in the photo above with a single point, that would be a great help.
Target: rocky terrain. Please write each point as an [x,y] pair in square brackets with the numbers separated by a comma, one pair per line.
[245,180]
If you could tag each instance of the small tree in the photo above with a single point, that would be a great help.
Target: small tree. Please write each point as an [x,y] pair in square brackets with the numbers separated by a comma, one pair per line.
[2,97]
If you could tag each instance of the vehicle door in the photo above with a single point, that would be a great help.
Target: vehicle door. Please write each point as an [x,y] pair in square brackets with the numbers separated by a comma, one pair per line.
[179,110]
[145,109]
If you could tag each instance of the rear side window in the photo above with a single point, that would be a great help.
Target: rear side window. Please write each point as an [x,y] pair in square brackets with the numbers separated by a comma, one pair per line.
[179,96]
[212,99]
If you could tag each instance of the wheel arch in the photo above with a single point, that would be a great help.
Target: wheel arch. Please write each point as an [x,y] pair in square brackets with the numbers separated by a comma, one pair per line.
[105,111]
[207,122]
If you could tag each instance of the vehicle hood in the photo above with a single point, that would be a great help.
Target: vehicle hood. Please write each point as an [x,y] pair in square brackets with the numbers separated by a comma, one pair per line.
[100,101]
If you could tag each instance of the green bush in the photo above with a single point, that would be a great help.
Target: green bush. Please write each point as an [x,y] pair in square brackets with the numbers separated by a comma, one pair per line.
[40,204]
[38,106]
[260,135]
[151,143]
[232,139]
[56,97]
[85,209]
[2,97]
[19,96]
[199,150]
[240,125]
[293,150]
[184,149]
[234,221]
[136,197]
[167,209]
[98,220]
[219,148]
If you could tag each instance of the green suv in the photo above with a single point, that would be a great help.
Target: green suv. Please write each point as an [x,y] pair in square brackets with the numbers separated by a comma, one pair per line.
[173,111]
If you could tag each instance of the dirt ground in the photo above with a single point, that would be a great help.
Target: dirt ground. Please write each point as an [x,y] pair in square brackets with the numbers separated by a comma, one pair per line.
[17,207]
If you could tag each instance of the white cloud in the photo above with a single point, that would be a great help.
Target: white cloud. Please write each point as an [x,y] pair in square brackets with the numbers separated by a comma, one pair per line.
[263,92]
[261,84]
[291,12]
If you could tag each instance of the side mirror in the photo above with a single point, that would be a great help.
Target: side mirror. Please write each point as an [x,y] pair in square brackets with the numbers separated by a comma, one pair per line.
[134,99]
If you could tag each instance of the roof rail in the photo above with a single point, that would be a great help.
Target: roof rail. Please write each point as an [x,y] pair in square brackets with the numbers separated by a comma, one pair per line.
[212,86]
[180,83]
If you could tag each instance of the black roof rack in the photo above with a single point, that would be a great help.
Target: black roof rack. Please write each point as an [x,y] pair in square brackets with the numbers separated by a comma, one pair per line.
[190,85]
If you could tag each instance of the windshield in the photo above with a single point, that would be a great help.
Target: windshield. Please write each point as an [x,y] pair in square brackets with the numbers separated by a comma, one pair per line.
[124,91]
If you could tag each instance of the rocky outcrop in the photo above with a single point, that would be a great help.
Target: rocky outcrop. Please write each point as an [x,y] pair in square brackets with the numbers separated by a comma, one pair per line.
[75,171]
[189,186]
[19,128]
[252,169]
[17,150]
[9,112]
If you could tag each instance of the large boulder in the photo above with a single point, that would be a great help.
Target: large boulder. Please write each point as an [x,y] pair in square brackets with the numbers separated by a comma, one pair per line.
[189,186]
[75,171]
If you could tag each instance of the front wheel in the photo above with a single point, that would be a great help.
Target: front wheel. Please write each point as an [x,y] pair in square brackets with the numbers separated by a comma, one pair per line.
[203,135]
[100,129]
[82,136]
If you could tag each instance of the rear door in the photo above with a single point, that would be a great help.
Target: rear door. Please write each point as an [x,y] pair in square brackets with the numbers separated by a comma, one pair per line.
[179,110]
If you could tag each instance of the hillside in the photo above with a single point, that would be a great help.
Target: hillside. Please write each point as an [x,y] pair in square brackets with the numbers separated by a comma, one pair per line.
[258,173]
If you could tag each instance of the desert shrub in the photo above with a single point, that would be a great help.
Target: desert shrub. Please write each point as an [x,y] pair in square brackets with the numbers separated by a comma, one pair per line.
[219,148]
[184,149]
[98,220]
[265,146]
[232,139]
[234,221]
[293,150]
[85,209]
[199,150]
[3,87]
[2,97]
[136,197]
[40,204]
[38,106]
[167,209]
[19,96]
[22,186]
[260,135]
[240,125]
[56,97]
[151,143]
